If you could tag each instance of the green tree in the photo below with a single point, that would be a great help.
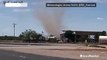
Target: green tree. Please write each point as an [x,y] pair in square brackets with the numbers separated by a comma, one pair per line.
[40,38]
[28,35]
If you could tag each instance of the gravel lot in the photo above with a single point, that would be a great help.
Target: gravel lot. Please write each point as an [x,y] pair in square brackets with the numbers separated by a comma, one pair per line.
[73,51]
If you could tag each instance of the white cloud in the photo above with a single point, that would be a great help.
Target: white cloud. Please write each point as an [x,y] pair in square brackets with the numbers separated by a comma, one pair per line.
[100,18]
[22,10]
[3,16]
[0,0]
[8,18]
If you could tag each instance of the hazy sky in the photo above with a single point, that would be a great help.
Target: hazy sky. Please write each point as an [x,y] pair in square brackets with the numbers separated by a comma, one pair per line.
[75,18]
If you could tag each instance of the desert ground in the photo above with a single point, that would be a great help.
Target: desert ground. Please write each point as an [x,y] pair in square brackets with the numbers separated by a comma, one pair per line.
[71,51]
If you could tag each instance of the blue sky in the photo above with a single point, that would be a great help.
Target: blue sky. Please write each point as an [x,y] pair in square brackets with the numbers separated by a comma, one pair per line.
[75,18]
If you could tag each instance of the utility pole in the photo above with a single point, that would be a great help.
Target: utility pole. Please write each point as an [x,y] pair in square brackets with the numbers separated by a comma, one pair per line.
[14,25]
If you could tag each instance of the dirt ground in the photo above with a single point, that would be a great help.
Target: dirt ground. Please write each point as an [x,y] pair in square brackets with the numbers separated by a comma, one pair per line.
[75,51]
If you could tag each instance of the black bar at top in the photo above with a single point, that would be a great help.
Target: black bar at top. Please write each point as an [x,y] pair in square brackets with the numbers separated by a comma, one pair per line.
[70,4]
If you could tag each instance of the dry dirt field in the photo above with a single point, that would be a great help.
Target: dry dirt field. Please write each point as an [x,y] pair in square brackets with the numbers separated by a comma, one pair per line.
[74,51]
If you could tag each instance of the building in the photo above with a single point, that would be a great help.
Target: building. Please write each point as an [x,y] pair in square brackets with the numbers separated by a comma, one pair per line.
[81,36]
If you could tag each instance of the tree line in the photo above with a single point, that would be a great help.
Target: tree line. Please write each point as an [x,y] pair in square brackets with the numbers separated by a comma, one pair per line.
[32,36]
